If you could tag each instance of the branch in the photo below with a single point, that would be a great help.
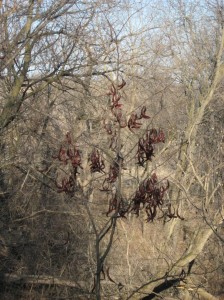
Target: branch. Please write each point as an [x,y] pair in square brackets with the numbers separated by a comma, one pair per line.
[161,287]
[47,211]
[197,244]
[204,295]
[40,280]
[196,247]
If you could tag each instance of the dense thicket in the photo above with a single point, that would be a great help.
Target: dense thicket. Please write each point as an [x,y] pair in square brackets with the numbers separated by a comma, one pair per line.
[111,138]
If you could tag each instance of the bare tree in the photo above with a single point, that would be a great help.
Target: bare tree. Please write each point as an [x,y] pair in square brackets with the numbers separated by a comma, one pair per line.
[62,65]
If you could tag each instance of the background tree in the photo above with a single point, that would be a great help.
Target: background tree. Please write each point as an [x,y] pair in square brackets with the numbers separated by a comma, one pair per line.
[58,61]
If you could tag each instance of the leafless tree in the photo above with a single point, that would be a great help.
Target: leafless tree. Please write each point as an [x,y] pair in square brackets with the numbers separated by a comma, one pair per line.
[61,65]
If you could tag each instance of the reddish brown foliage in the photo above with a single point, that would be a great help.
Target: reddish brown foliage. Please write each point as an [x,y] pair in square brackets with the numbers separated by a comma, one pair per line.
[132,122]
[145,145]
[69,153]
[149,196]
[67,185]
[96,162]
[150,193]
